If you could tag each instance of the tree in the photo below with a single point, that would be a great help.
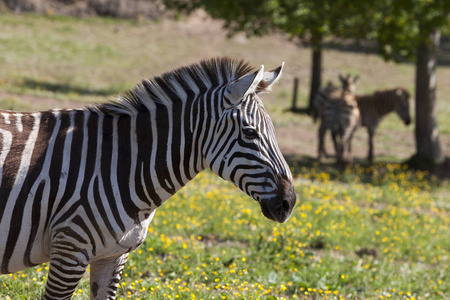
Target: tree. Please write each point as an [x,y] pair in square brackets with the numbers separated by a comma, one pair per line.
[427,137]
[410,29]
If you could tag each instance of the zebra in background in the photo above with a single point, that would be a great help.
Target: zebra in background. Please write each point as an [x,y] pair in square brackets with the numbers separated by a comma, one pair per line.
[80,187]
[338,111]
[374,107]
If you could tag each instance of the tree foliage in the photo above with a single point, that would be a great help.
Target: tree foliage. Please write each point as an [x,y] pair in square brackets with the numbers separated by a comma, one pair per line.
[398,26]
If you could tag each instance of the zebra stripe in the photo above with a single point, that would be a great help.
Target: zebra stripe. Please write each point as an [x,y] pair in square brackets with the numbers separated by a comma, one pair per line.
[375,106]
[80,187]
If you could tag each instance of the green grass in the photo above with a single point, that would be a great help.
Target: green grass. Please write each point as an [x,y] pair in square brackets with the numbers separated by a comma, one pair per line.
[365,232]
[12,104]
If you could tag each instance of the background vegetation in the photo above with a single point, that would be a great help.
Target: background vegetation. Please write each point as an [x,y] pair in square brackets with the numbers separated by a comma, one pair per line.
[373,232]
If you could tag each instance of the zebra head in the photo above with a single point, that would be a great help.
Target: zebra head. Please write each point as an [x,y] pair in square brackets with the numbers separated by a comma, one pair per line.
[246,151]
[401,106]
[348,83]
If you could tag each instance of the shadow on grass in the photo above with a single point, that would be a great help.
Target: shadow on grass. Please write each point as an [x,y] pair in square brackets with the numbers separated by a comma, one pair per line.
[361,169]
[66,88]
[443,170]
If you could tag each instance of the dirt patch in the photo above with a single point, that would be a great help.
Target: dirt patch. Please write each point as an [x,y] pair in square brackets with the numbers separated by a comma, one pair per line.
[297,140]
[301,139]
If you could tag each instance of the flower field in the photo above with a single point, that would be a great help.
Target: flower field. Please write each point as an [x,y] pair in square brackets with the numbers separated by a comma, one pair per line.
[366,233]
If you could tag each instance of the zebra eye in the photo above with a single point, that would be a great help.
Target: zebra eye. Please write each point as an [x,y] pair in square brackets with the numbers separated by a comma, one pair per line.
[250,133]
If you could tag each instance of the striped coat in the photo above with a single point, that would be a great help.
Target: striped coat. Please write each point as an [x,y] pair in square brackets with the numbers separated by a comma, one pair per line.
[338,111]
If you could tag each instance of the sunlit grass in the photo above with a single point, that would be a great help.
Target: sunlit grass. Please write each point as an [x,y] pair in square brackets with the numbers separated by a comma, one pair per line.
[371,232]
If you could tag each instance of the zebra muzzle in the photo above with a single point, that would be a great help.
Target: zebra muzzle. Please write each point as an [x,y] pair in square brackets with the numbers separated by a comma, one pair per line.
[279,208]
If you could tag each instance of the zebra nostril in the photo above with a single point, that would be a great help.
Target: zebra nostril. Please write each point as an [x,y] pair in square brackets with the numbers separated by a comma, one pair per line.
[285,205]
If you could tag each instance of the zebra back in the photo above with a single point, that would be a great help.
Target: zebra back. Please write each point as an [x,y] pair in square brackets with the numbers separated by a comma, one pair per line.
[375,106]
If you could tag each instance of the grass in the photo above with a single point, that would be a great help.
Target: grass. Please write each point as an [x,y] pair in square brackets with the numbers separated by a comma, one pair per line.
[12,103]
[367,232]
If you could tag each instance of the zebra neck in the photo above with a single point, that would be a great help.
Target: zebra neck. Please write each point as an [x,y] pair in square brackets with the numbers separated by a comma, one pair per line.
[168,151]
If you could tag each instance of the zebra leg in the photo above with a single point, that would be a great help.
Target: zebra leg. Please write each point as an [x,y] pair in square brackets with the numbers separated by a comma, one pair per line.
[337,146]
[67,266]
[321,150]
[349,148]
[105,277]
[349,151]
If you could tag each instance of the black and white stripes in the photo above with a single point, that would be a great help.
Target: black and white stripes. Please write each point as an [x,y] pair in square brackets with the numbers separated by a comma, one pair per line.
[80,187]
[338,111]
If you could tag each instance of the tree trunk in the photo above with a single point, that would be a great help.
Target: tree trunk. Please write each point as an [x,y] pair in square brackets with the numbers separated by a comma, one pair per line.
[316,76]
[427,137]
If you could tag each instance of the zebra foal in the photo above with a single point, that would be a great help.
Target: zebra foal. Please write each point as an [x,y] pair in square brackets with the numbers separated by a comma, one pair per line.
[338,111]
[80,187]
[375,106]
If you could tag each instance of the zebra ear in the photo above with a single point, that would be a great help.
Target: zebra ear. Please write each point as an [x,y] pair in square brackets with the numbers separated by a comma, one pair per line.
[345,78]
[243,86]
[269,78]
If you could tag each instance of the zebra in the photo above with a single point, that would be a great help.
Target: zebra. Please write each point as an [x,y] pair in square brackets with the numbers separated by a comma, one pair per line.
[80,187]
[375,106]
[338,111]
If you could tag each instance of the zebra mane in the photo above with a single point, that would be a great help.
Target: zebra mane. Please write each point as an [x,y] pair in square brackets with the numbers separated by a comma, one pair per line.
[203,76]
